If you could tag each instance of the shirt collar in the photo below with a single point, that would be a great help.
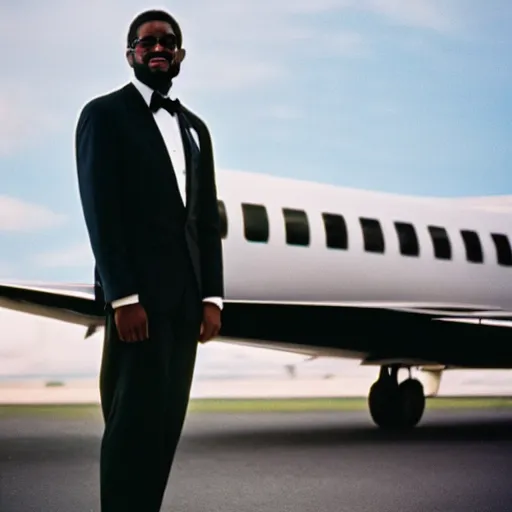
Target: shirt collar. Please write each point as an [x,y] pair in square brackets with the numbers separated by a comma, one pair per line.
[145,91]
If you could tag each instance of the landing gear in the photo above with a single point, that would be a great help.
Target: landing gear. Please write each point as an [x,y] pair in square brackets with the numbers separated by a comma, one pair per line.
[393,405]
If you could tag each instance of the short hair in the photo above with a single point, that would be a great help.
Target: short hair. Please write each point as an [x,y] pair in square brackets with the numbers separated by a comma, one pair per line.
[153,15]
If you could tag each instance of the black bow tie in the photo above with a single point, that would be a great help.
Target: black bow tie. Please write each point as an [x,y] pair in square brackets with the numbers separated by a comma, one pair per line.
[158,101]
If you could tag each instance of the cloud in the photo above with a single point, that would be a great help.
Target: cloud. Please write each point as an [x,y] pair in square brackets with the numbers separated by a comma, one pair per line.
[346,44]
[18,215]
[7,270]
[23,118]
[234,73]
[232,46]
[79,255]
[282,113]
[221,57]
[427,14]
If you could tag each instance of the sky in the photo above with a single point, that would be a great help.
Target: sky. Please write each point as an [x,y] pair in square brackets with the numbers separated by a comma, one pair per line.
[406,96]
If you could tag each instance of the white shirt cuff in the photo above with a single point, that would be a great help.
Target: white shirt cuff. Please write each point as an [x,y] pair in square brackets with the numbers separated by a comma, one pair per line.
[125,301]
[133,299]
[215,300]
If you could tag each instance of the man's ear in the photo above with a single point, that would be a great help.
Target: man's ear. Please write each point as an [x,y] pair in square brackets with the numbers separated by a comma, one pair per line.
[129,57]
[179,56]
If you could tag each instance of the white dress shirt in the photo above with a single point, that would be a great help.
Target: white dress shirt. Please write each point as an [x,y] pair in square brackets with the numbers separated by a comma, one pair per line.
[170,130]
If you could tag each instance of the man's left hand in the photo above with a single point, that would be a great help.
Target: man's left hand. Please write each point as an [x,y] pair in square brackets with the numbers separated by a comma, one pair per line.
[210,326]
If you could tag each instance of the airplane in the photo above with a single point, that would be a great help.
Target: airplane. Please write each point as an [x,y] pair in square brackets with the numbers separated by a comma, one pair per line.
[393,281]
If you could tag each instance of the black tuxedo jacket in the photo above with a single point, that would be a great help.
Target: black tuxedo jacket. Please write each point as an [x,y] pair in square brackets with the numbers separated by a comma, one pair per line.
[144,239]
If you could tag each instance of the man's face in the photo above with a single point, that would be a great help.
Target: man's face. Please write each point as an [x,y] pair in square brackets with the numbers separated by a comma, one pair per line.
[156,57]
[156,45]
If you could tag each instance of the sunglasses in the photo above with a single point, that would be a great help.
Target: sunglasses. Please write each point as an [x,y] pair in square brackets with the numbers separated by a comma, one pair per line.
[168,41]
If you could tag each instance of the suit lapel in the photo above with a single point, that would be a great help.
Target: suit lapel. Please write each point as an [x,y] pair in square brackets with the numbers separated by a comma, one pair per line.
[150,137]
[147,130]
[191,150]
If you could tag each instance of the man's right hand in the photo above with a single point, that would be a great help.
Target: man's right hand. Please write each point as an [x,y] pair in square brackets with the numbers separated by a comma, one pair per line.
[132,323]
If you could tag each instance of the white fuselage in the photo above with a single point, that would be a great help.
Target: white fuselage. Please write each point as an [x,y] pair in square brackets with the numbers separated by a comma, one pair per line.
[274,270]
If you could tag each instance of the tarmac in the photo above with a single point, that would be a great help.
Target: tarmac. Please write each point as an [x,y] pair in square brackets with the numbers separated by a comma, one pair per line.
[277,462]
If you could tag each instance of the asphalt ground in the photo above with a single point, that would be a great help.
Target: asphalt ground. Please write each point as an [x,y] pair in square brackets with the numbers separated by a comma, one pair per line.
[285,460]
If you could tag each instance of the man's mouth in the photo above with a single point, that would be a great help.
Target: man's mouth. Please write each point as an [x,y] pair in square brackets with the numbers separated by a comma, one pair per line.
[155,61]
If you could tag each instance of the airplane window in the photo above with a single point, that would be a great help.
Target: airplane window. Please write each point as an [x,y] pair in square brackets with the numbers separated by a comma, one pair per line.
[256,225]
[372,235]
[474,252]
[223,218]
[335,231]
[503,249]
[441,242]
[297,227]
[407,239]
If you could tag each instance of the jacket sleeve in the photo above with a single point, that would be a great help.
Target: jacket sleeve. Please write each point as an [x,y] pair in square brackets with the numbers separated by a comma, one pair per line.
[209,232]
[98,169]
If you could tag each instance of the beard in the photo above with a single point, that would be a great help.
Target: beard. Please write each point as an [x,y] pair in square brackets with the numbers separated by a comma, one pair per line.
[157,79]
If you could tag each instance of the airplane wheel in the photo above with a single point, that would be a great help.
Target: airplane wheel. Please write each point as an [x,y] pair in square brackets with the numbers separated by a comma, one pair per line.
[383,402]
[412,402]
[394,406]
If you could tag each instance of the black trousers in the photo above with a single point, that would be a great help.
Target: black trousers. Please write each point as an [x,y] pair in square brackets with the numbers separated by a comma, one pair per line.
[145,389]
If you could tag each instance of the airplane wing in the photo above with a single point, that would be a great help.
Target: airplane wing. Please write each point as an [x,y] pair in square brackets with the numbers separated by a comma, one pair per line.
[370,331]
[66,302]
